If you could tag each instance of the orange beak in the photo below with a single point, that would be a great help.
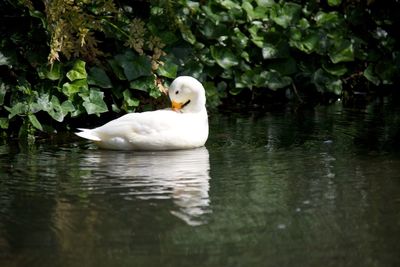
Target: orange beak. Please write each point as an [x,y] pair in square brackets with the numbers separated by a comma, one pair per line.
[176,106]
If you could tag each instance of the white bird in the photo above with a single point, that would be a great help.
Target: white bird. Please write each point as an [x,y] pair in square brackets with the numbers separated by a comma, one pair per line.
[182,127]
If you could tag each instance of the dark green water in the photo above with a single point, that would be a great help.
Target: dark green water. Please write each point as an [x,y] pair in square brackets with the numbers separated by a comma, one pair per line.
[305,188]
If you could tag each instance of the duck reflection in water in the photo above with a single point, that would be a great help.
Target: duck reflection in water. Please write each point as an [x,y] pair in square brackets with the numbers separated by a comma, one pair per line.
[181,175]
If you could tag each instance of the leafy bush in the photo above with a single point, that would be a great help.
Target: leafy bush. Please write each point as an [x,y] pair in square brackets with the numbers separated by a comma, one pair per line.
[64,60]
[315,47]
[78,73]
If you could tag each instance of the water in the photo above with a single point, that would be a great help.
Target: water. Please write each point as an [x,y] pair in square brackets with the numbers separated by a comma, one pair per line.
[290,188]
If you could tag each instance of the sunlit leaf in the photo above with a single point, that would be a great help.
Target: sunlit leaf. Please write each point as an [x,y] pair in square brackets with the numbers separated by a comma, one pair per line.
[328,20]
[129,100]
[334,2]
[4,123]
[168,70]
[343,53]
[78,71]
[286,15]
[35,122]
[77,86]
[269,51]
[224,57]
[18,109]
[94,104]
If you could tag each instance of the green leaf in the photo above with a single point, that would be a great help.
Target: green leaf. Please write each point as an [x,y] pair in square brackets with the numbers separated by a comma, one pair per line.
[256,37]
[328,20]
[117,69]
[3,91]
[129,101]
[286,15]
[187,34]
[228,4]
[134,66]
[168,70]
[4,60]
[369,73]
[239,39]
[99,77]
[78,71]
[35,122]
[54,73]
[254,13]
[324,82]
[334,2]
[343,53]
[274,80]
[308,44]
[285,66]
[18,109]
[94,104]
[3,123]
[335,69]
[77,86]
[224,57]
[269,51]
[142,84]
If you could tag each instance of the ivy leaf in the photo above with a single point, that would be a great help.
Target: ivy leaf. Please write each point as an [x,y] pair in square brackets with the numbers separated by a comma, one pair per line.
[168,70]
[78,72]
[142,84]
[269,51]
[370,75]
[286,15]
[134,66]
[3,123]
[18,109]
[3,91]
[335,69]
[334,2]
[324,82]
[94,104]
[224,57]
[274,80]
[35,122]
[99,77]
[130,103]
[78,86]
[343,53]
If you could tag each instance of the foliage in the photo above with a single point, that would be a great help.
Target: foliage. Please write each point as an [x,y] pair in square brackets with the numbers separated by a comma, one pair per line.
[280,45]
[64,60]
[75,75]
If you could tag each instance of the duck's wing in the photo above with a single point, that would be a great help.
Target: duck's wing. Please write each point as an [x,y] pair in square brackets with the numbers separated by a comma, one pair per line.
[134,124]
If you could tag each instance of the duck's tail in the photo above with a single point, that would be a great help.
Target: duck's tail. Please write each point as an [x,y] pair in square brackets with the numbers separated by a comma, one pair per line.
[88,134]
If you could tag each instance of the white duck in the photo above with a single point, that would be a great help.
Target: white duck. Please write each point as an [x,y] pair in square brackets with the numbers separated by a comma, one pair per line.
[182,127]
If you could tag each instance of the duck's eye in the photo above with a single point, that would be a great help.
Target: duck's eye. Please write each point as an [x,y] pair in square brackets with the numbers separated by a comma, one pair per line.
[176,92]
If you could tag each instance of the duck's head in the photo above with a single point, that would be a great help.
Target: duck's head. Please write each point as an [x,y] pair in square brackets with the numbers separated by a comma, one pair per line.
[187,94]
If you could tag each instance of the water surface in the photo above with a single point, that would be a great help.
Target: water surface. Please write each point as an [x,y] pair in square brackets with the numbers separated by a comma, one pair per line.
[289,188]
